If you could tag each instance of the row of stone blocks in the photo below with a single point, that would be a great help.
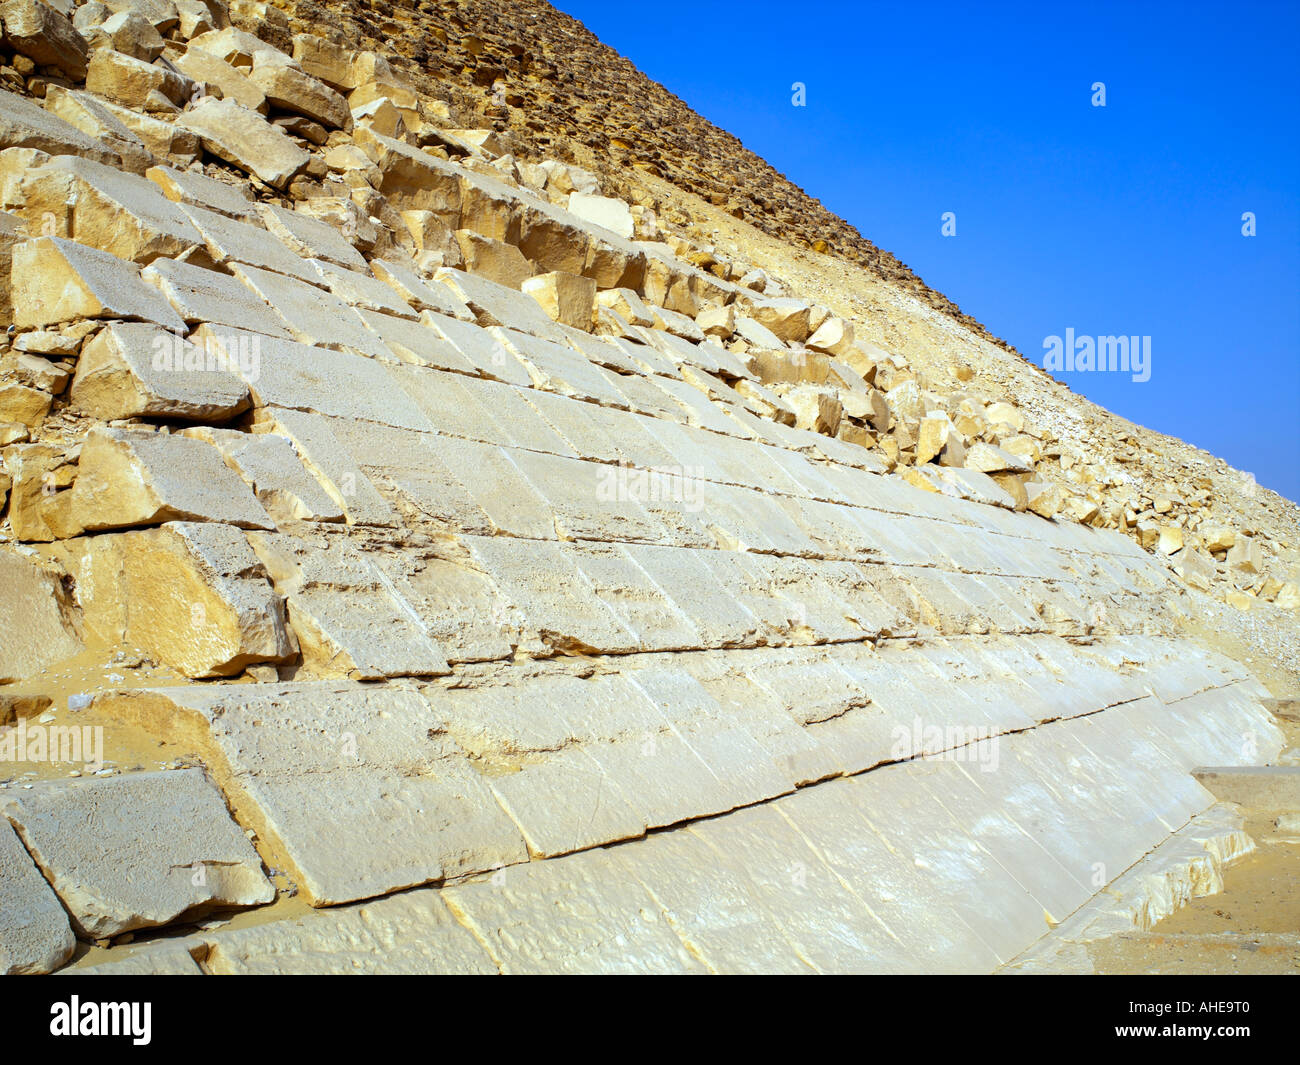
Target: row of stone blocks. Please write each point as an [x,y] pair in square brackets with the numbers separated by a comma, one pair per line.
[972,756]
[955,861]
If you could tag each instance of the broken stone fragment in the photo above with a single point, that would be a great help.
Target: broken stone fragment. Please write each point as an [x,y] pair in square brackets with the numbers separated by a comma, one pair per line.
[197,190]
[234,85]
[834,337]
[45,36]
[291,89]
[139,478]
[566,298]
[34,933]
[138,850]
[132,34]
[190,594]
[1245,555]
[57,280]
[245,139]
[134,83]
[136,370]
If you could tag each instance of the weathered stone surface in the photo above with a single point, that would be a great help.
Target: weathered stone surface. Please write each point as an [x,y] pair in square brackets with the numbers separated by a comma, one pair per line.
[140,478]
[272,467]
[34,933]
[346,620]
[200,295]
[566,298]
[105,209]
[409,808]
[407,934]
[131,370]
[186,186]
[201,601]
[34,592]
[605,211]
[137,850]
[23,124]
[246,140]
[57,280]
[97,120]
[310,237]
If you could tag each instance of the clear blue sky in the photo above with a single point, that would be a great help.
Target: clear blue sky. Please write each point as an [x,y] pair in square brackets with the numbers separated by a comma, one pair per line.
[1117,220]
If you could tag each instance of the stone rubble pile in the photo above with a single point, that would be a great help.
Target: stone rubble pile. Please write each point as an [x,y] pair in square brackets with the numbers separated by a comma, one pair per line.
[480,520]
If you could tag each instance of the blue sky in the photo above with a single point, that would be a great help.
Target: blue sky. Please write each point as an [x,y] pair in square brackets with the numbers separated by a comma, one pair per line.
[1123,219]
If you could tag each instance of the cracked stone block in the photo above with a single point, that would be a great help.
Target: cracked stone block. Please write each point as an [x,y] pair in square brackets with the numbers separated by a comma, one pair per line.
[191,594]
[35,936]
[416,342]
[197,190]
[34,591]
[136,370]
[575,914]
[406,805]
[235,85]
[140,478]
[200,295]
[104,208]
[409,934]
[310,237]
[314,316]
[56,280]
[272,467]
[489,356]
[138,850]
[347,620]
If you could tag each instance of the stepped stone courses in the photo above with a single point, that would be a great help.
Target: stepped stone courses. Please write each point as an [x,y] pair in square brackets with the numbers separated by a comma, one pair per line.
[430,477]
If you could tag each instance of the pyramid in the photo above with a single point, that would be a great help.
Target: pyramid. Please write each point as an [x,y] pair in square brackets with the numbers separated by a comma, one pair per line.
[447,519]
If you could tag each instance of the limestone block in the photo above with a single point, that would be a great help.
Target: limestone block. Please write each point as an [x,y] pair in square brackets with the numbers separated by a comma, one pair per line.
[493,259]
[191,594]
[407,808]
[25,124]
[106,209]
[131,370]
[361,290]
[607,212]
[235,85]
[57,280]
[134,83]
[494,304]
[138,850]
[200,295]
[566,298]
[137,478]
[294,90]
[34,933]
[95,119]
[229,240]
